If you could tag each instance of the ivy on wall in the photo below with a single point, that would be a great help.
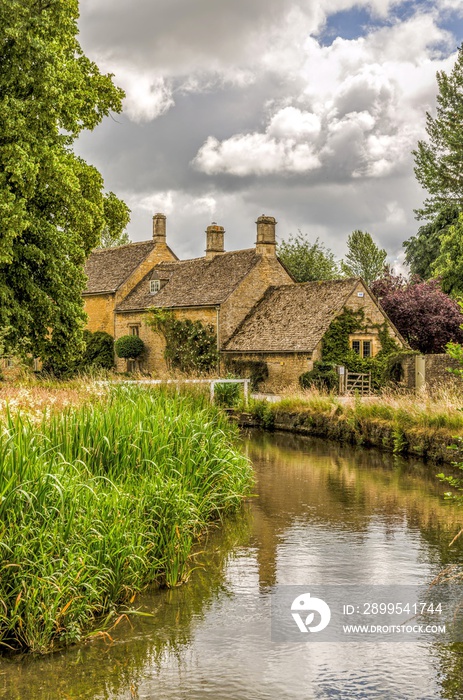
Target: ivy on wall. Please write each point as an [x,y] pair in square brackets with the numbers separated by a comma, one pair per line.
[336,349]
[191,346]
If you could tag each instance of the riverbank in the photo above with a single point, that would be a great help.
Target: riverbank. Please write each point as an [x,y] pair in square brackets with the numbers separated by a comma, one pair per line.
[419,426]
[101,499]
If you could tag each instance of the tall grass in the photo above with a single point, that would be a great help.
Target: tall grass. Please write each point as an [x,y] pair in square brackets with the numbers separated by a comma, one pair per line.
[419,424]
[100,500]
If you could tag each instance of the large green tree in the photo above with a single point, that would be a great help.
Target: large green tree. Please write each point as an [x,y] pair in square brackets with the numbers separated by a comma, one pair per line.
[52,203]
[439,169]
[364,258]
[117,216]
[307,261]
[448,265]
[439,160]
[423,249]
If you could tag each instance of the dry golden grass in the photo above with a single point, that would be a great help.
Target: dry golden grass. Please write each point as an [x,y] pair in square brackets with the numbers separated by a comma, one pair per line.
[37,398]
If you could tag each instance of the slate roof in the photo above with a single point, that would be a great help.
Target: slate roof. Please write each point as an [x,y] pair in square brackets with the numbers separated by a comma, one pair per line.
[108,268]
[197,282]
[291,318]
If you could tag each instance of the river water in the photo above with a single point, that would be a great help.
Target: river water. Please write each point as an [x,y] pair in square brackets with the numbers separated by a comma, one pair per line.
[323,514]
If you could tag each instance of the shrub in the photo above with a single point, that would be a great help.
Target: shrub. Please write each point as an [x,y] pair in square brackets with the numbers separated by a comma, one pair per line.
[129,347]
[99,350]
[323,376]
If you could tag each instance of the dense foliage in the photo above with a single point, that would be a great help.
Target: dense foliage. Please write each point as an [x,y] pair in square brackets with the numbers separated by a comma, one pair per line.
[129,347]
[439,161]
[427,318]
[438,168]
[323,376]
[449,264]
[307,261]
[99,350]
[336,349]
[364,258]
[102,500]
[53,208]
[191,346]
[423,250]
[117,216]
[96,353]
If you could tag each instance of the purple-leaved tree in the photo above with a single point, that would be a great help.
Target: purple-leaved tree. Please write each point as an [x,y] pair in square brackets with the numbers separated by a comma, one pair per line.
[426,317]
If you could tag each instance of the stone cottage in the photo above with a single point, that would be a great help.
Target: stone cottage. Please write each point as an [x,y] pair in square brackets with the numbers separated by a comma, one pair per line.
[219,289]
[113,272]
[286,327]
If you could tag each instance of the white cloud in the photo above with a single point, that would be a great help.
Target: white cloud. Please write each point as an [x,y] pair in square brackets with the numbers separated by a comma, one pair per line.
[255,154]
[325,131]
[158,202]
[363,109]
[291,122]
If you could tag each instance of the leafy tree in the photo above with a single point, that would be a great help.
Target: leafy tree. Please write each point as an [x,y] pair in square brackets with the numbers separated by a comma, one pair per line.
[52,203]
[439,161]
[364,258]
[423,249]
[117,216]
[449,263]
[425,316]
[307,261]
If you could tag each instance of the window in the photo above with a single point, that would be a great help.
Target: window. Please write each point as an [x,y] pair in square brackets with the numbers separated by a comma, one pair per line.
[155,286]
[134,330]
[362,347]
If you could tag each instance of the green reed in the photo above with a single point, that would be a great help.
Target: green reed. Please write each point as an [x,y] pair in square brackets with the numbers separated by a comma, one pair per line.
[99,501]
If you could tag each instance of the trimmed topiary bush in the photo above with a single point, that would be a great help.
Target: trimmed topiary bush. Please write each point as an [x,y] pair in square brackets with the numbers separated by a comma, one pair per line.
[129,347]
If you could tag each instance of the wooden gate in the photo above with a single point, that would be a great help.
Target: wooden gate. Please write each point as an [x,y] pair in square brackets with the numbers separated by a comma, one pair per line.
[356,383]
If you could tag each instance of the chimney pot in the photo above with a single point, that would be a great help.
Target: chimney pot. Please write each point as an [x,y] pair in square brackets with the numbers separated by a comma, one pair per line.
[159,229]
[266,239]
[214,240]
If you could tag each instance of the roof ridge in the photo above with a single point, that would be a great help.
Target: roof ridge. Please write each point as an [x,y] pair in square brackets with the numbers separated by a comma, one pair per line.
[118,247]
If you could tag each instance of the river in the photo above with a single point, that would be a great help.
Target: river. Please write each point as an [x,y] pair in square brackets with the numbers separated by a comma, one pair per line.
[322,514]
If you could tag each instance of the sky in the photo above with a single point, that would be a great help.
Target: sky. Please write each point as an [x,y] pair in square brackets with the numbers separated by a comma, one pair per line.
[303,110]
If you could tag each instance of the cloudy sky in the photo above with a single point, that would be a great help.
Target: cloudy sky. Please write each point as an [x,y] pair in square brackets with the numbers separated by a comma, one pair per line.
[302,109]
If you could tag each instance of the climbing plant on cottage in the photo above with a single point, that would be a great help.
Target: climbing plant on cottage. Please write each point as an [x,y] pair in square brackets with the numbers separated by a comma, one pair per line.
[337,350]
[191,346]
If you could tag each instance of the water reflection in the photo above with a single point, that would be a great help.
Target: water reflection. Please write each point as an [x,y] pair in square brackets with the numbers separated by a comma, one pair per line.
[323,514]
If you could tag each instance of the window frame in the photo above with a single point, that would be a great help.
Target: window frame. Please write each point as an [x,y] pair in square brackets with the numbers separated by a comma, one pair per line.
[155,286]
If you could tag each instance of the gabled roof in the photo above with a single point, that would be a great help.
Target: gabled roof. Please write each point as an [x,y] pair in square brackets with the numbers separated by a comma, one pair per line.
[197,282]
[108,268]
[292,318]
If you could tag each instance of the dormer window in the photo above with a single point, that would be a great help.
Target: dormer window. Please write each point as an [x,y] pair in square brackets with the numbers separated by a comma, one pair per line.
[155,286]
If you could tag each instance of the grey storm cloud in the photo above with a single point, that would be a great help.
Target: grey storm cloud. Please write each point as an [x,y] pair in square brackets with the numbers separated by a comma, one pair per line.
[235,109]
[180,35]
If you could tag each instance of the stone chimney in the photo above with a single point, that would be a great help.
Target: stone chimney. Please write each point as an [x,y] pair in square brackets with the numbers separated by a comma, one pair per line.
[214,240]
[266,241]
[159,229]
